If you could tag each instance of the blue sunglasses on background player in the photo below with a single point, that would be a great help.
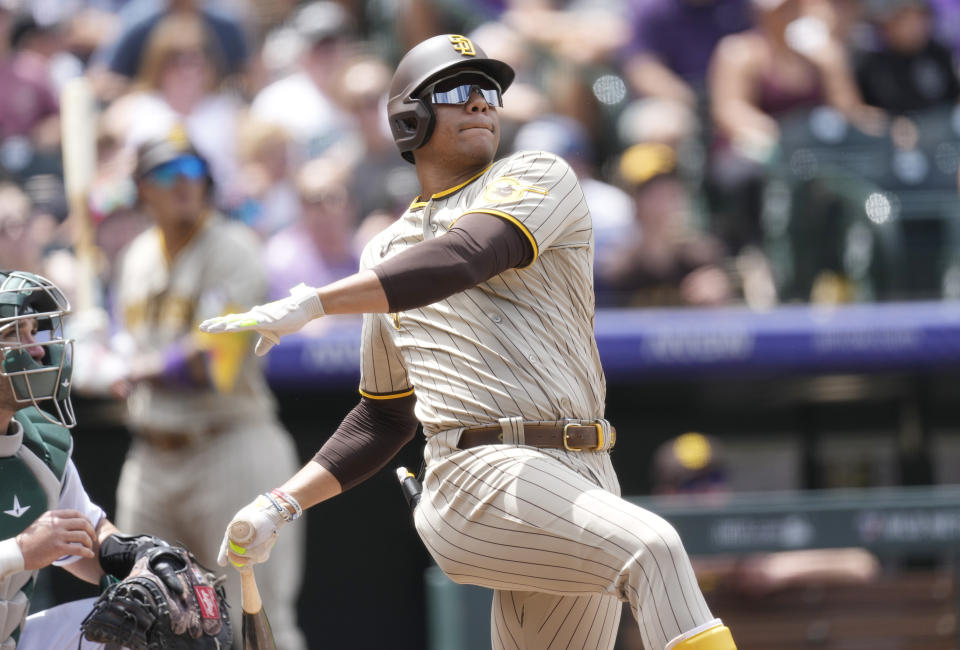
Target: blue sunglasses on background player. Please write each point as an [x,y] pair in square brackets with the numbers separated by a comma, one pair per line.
[458,88]
[188,167]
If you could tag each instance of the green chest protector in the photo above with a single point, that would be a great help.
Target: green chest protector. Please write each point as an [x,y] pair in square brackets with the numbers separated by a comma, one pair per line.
[26,483]
[30,484]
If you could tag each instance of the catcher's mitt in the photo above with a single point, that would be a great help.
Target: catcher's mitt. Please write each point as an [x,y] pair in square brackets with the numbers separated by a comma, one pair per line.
[168,601]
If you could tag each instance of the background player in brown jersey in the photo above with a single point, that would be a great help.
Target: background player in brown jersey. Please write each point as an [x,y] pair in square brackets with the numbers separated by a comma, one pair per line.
[202,417]
[478,324]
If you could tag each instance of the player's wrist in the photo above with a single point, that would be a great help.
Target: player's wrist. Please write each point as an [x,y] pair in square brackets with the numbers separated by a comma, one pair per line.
[290,503]
[307,299]
[11,558]
[283,505]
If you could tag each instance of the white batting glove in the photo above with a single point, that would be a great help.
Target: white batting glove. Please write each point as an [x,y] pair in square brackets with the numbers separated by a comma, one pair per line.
[252,532]
[272,320]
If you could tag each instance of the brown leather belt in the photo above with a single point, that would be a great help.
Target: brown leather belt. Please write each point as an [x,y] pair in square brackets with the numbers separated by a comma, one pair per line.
[167,441]
[173,441]
[572,437]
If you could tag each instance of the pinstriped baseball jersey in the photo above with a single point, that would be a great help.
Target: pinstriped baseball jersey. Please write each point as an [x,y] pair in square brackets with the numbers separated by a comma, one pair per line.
[161,302]
[546,529]
[518,345]
[242,445]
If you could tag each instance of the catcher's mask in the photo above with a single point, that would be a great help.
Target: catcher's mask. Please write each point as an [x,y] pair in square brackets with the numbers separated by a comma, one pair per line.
[27,299]
[409,111]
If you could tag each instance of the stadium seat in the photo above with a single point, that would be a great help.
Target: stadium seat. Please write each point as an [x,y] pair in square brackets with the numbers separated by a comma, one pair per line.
[879,214]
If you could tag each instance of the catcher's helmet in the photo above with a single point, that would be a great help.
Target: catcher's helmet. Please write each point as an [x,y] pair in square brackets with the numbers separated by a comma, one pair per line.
[411,116]
[25,296]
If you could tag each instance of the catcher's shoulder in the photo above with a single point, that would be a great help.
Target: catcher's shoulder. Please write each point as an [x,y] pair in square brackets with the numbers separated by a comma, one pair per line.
[50,442]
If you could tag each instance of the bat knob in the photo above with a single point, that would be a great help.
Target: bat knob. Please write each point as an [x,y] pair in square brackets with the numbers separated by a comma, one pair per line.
[241,531]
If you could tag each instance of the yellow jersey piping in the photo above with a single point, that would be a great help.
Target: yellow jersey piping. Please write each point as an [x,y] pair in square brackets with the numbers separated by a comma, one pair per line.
[440,195]
[386,395]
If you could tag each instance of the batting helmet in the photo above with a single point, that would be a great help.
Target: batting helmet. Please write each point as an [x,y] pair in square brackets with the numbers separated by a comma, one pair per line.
[25,297]
[411,116]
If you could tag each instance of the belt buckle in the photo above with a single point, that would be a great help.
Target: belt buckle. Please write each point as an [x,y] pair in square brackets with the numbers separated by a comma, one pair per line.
[566,442]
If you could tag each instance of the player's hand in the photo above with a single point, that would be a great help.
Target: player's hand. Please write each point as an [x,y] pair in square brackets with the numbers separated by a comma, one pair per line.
[272,320]
[56,534]
[251,533]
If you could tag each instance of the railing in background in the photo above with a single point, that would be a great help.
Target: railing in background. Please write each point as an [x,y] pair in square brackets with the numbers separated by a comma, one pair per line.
[688,343]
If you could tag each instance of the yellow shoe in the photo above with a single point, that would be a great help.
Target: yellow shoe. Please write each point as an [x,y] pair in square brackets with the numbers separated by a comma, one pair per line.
[716,636]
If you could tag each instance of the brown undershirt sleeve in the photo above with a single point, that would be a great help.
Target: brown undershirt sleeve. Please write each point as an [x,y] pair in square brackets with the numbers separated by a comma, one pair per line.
[367,438]
[478,247]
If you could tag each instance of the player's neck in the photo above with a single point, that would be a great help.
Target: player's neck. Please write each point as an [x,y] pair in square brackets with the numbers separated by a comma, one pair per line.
[177,234]
[438,178]
[5,418]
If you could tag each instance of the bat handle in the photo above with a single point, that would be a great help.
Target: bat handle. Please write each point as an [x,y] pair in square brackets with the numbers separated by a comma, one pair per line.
[249,594]
[255,628]
[241,532]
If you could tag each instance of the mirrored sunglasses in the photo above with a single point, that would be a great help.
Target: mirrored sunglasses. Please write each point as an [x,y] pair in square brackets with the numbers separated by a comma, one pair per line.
[189,167]
[458,89]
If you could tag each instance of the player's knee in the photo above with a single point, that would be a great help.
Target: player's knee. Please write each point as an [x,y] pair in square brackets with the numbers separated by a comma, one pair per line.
[662,539]
[657,544]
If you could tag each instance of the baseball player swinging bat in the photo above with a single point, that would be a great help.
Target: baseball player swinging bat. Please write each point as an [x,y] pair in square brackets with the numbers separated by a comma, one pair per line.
[256,634]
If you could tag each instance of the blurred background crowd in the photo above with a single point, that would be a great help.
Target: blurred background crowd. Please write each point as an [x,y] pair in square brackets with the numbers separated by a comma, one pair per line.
[732,151]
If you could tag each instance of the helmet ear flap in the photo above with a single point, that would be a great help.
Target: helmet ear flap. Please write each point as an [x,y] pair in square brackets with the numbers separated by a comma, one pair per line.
[412,126]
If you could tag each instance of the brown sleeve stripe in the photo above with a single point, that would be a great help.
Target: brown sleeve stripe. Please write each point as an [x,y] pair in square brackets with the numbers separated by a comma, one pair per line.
[503,215]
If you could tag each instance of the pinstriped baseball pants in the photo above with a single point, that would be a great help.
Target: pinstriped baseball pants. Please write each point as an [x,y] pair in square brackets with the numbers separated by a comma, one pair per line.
[548,531]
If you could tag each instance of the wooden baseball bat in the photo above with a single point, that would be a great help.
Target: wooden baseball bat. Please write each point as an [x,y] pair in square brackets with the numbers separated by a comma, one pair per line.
[255,628]
[78,137]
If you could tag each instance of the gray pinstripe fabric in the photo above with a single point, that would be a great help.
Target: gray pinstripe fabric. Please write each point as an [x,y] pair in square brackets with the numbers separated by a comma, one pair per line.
[527,520]
[520,344]
[546,529]
[521,620]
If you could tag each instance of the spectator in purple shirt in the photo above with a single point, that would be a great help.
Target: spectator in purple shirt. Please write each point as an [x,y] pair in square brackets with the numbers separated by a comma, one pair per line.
[673,41]
[947,14]
[29,107]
